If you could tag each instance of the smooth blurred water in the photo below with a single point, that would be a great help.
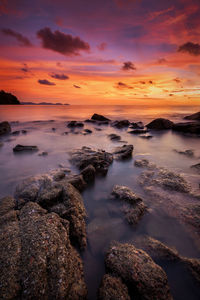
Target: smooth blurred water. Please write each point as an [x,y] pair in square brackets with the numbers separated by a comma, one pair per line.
[105,220]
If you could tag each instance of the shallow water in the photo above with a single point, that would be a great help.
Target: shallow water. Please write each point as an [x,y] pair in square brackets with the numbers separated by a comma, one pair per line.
[105,220]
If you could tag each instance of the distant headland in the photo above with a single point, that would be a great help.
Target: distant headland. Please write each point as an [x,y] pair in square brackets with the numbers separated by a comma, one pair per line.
[9,99]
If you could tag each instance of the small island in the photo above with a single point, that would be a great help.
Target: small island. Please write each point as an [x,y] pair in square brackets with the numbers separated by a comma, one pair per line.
[8,99]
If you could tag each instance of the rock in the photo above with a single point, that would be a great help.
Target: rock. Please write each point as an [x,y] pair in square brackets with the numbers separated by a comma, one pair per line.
[195,116]
[48,192]
[88,173]
[123,152]
[196,167]
[73,124]
[53,129]
[160,124]
[20,148]
[77,181]
[114,137]
[138,131]
[147,137]
[1,144]
[120,124]
[138,125]
[90,121]
[8,98]
[66,133]
[112,288]
[189,152]
[136,209]
[88,131]
[189,127]
[86,156]
[144,278]
[5,128]
[37,260]
[24,131]
[44,153]
[98,129]
[144,163]
[17,132]
[97,117]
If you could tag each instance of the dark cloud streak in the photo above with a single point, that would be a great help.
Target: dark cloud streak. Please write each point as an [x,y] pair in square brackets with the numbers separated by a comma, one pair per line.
[191,48]
[45,82]
[24,41]
[128,65]
[59,76]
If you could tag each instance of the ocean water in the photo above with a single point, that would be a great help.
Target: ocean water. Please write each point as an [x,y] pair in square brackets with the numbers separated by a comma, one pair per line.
[105,221]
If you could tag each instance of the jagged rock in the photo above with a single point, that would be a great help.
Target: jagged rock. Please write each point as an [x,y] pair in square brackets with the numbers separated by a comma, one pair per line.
[189,152]
[8,98]
[196,167]
[195,116]
[20,148]
[144,278]
[48,192]
[88,173]
[37,260]
[136,209]
[190,127]
[77,181]
[112,288]
[114,137]
[120,124]
[123,152]
[5,128]
[73,124]
[98,117]
[138,125]
[86,156]
[138,131]
[160,124]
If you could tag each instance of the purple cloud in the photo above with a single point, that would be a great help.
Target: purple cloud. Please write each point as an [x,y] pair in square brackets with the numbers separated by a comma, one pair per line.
[191,48]
[24,41]
[128,65]
[45,82]
[59,76]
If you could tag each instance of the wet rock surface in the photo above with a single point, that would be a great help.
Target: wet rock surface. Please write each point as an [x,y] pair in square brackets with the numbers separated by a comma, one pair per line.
[189,152]
[4,128]
[137,125]
[195,116]
[37,260]
[120,124]
[196,167]
[138,131]
[86,156]
[123,152]
[73,124]
[114,137]
[22,148]
[160,124]
[98,117]
[54,193]
[112,288]
[144,163]
[143,277]
[190,127]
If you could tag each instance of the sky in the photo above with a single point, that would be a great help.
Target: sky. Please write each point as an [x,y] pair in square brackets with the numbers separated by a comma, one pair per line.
[101,52]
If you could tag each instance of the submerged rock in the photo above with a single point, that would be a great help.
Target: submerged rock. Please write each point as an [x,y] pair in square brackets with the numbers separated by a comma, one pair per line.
[89,173]
[5,128]
[190,127]
[124,193]
[195,116]
[138,131]
[114,137]
[189,152]
[98,117]
[160,124]
[37,260]
[123,152]
[196,167]
[138,125]
[87,131]
[144,163]
[144,278]
[112,288]
[20,148]
[73,124]
[86,156]
[17,132]
[44,153]
[120,124]
[50,191]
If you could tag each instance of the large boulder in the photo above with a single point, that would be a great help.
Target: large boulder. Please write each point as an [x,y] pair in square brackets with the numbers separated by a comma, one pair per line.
[56,194]
[160,124]
[195,116]
[112,288]
[8,98]
[144,278]
[5,128]
[37,260]
[123,152]
[98,117]
[188,127]
[86,156]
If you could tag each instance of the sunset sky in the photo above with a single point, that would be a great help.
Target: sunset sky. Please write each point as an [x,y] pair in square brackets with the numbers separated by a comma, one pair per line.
[101,52]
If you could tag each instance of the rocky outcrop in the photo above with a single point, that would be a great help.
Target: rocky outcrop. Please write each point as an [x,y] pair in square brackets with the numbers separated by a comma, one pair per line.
[37,260]
[189,127]
[86,156]
[136,209]
[8,98]
[120,124]
[54,193]
[98,117]
[4,128]
[195,116]
[123,152]
[112,288]
[143,277]
[160,124]
[21,148]
[73,124]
